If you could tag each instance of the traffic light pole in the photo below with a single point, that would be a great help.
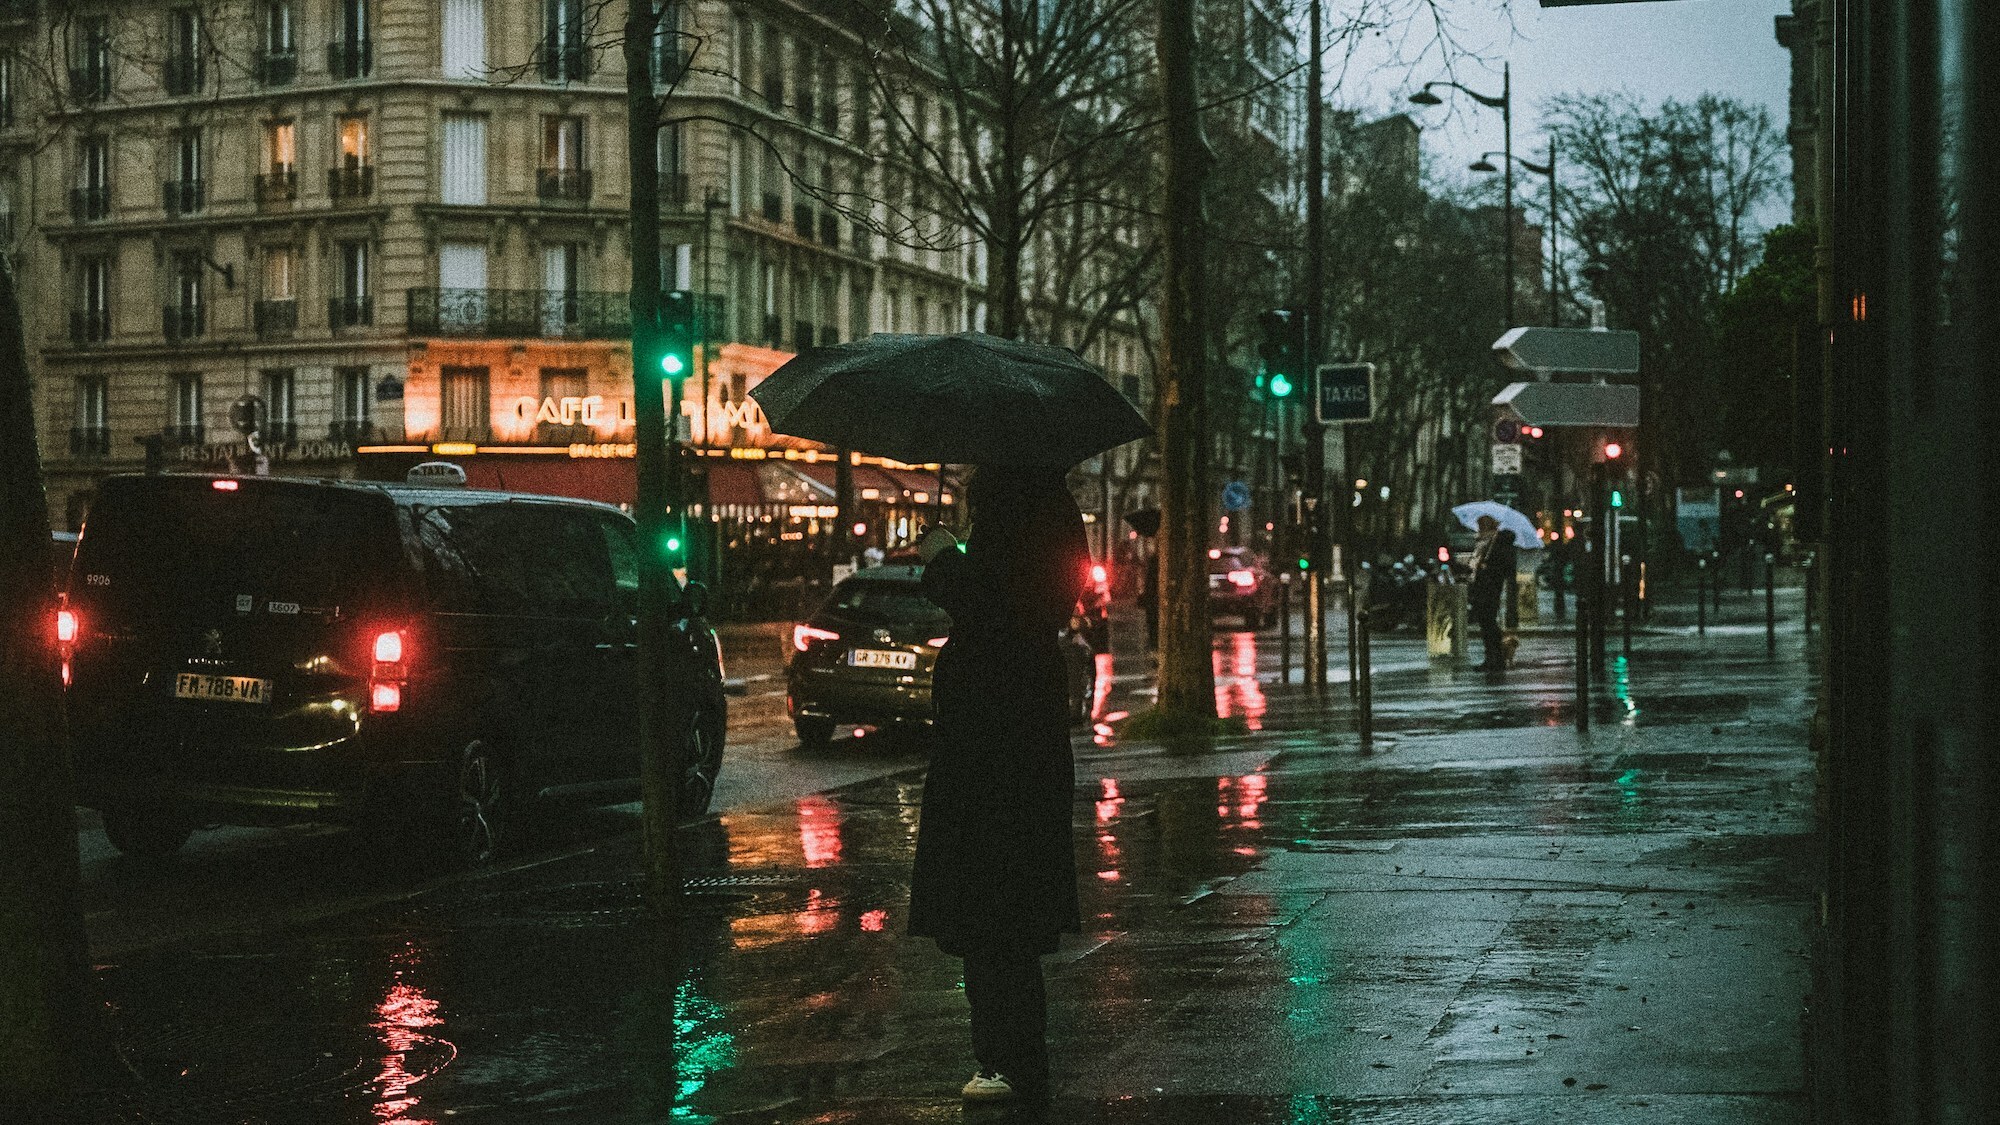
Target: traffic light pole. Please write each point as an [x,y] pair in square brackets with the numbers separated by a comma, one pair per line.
[1315,433]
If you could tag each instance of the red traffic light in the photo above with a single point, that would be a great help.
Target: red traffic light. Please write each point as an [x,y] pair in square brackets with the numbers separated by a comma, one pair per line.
[1612,450]
[1534,431]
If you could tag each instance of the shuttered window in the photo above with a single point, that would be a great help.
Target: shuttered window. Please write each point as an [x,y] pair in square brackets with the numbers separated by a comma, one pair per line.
[464,36]
[462,265]
[465,158]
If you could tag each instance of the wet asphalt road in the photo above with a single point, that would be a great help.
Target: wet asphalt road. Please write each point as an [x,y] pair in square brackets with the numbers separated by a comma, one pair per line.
[1485,920]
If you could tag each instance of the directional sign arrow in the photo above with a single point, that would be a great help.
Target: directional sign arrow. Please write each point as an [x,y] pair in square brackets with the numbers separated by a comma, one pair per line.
[1594,350]
[1571,404]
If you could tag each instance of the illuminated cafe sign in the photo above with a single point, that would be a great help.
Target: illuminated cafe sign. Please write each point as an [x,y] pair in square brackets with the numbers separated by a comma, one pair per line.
[570,410]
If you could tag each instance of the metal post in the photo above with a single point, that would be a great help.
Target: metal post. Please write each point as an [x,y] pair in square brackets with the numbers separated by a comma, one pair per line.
[1285,630]
[1365,711]
[1354,597]
[1555,218]
[1715,586]
[1583,644]
[1701,597]
[1627,604]
[1770,602]
[1318,520]
[1812,589]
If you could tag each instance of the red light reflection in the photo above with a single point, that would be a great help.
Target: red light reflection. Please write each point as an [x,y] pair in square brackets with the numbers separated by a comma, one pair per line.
[819,831]
[1237,690]
[871,921]
[400,1021]
[820,914]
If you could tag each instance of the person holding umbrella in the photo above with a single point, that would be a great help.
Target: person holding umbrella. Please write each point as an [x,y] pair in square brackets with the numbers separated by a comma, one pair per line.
[994,880]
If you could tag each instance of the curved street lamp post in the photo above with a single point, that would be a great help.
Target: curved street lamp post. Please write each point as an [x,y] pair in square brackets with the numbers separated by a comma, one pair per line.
[1485,164]
[1505,104]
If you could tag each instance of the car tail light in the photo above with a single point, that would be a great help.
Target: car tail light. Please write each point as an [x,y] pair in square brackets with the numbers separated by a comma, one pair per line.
[65,627]
[804,635]
[224,485]
[385,681]
[1098,574]
[937,642]
[1444,554]
[1244,578]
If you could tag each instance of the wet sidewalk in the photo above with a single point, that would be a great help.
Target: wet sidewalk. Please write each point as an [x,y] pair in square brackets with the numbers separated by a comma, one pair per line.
[1489,919]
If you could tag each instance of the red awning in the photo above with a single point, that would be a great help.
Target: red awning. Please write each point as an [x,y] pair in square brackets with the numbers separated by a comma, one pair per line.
[610,480]
[732,482]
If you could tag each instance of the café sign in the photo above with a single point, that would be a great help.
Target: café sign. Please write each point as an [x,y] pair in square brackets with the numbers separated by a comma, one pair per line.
[570,410]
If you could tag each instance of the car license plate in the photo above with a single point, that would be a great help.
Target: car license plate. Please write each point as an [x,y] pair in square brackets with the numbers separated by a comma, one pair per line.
[879,658]
[224,689]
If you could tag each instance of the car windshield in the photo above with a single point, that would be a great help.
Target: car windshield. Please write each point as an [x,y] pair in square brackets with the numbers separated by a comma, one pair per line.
[163,545]
[879,600]
[1229,560]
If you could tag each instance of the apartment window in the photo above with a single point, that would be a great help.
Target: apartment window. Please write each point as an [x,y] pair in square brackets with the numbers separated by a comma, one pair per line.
[277,49]
[353,305]
[559,383]
[90,321]
[562,282]
[863,106]
[673,175]
[350,54]
[181,316]
[464,36]
[564,52]
[184,64]
[804,88]
[279,180]
[276,384]
[90,69]
[351,404]
[90,436]
[277,310]
[353,177]
[670,55]
[829,97]
[185,408]
[91,198]
[857,312]
[6,89]
[774,75]
[465,159]
[462,408]
[892,309]
[562,174]
[182,195]
[464,306]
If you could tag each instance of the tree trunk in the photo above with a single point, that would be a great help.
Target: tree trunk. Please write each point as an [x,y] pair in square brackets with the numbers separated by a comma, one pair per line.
[45,1009]
[1187,677]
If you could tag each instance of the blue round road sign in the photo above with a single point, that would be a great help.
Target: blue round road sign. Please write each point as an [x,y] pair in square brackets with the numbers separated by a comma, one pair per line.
[1235,496]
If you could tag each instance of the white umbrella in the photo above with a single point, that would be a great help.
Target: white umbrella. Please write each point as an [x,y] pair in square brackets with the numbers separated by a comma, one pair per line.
[1527,536]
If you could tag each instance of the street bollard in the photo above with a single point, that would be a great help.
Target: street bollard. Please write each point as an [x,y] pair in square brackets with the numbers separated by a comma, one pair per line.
[1715,587]
[1365,677]
[1770,602]
[1582,662]
[1285,631]
[1628,605]
[1701,597]
[1812,588]
[1359,581]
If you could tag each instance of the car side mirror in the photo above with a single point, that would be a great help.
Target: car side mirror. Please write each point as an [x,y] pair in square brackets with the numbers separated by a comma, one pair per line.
[694,599]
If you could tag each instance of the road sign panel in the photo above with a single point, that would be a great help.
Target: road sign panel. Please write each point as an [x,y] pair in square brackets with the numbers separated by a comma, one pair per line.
[1346,392]
[1571,404]
[1596,351]
[1506,458]
[1235,496]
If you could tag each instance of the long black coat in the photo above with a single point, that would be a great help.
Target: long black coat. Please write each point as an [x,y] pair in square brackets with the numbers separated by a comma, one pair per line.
[1496,570]
[995,865]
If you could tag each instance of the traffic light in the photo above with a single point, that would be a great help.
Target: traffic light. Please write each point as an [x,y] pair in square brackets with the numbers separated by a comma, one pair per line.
[1613,451]
[677,334]
[1281,347]
[1617,498]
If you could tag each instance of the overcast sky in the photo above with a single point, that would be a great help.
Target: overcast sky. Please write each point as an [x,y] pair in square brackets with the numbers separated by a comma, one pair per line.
[1656,49]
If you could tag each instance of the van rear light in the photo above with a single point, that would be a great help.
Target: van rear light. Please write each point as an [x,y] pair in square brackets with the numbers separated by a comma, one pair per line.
[804,635]
[385,682]
[938,642]
[1243,578]
[224,485]
[65,627]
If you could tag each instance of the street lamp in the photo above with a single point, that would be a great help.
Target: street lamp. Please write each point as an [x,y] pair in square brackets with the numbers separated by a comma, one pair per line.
[1485,164]
[1505,104]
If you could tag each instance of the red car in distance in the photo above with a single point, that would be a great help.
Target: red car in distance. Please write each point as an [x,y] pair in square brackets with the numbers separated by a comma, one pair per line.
[1239,585]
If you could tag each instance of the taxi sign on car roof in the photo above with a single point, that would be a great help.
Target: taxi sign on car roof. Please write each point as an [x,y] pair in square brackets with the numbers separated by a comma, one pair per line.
[437,474]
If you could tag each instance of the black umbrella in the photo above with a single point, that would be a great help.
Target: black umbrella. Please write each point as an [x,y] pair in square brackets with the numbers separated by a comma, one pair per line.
[1145,521]
[963,399]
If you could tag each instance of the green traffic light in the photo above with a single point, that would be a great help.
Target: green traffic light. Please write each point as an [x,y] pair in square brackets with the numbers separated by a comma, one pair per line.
[1305,563]
[1617,498]
[672,364]
[1280,386]
[673,544]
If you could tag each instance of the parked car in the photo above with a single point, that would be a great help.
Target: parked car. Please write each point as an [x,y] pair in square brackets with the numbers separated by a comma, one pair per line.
[866,656]
[253,650]
[1239,585]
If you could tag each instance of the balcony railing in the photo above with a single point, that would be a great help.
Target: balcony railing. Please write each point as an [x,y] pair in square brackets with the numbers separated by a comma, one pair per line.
[350,429]
[182,74]
[87,204]
[279,185]
[181,322]
[90,441]
[350,60]
[349,312]
[277,68]
[185,433]
[571,184]
[90,83]
[89,326]
[519,314]
[275,319]
[355,182]
[181,197]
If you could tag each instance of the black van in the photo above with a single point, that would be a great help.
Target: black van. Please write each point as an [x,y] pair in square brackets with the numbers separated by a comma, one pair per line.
[257,650]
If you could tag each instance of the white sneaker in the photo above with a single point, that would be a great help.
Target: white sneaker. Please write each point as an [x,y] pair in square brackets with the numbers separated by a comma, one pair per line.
[987,1087]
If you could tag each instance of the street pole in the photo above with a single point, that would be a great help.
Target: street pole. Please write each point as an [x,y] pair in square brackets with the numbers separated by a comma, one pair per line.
[1555,218]
[1317,515]
[1507,181]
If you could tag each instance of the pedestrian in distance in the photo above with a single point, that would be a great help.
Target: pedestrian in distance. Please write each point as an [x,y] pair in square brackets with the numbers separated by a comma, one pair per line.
[995,875]
[1493,562]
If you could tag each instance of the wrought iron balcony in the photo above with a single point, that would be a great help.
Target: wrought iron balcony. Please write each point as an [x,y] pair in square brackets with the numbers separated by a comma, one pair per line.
[277,68]
[571,184]
[87,204]
[89,326]
[349,312]
[90,441]
[350,60]
[181,197]
[352,182]
[519,314]
[181,322]
[275,319]
[279,185]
